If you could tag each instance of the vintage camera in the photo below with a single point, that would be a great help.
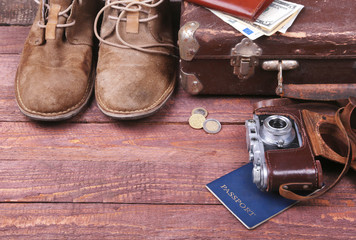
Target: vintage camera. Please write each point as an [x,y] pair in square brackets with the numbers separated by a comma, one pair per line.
[281,151]
[287,139]
[266,133]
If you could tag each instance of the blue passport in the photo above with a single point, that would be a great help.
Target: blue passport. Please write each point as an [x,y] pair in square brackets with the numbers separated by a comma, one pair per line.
[244,200]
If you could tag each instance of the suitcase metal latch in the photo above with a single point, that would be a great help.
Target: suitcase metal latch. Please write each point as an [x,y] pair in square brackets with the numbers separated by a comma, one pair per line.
[244,58]
[280,66]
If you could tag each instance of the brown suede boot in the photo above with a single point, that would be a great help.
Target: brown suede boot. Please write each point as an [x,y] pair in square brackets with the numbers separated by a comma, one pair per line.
[53,80]
[136,67]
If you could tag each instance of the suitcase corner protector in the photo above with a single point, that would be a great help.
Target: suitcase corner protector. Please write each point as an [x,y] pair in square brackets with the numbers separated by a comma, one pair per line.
[188,45]
[190,83]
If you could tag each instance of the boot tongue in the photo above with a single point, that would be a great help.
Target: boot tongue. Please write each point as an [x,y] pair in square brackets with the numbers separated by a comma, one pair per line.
[55,18]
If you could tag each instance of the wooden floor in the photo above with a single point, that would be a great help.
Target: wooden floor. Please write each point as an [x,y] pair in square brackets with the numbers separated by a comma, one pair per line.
[95,178]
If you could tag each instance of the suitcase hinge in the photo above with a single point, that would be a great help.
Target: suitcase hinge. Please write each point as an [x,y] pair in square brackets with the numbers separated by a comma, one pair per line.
[244,58]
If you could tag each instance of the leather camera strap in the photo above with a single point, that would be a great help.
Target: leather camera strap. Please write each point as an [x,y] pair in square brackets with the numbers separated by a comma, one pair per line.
[276,102]
[343,121]
[348,117]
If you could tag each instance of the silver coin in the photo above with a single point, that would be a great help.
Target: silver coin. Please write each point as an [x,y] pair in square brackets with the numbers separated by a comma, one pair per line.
[201,111]
[212,126]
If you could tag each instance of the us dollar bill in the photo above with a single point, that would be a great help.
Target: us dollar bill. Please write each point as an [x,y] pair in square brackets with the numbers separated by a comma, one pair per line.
[276,13]
[279,16]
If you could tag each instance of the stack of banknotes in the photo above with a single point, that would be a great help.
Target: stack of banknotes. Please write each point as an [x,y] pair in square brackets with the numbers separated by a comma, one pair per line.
[278,17]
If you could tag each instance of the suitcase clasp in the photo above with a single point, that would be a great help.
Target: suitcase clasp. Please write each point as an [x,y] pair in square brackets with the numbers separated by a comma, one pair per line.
[244,58]
[280,66]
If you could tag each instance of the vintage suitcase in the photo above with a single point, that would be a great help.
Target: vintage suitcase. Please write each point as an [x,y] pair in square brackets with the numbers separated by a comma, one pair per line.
[315,59]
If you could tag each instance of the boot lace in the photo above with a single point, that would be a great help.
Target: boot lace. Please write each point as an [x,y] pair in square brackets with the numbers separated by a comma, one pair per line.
[125,6]
[45,10]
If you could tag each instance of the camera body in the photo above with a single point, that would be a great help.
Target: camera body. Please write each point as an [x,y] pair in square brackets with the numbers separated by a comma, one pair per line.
[281,151]
[266,133]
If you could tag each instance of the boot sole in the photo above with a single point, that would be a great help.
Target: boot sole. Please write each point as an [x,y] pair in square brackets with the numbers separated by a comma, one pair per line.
[59,117]
[135,116]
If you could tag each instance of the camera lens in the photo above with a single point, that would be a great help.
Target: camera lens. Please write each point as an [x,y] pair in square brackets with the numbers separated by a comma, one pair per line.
[277,130]
[277,123]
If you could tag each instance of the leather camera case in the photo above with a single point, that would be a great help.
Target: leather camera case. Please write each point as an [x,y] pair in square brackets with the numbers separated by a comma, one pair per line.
[300,168]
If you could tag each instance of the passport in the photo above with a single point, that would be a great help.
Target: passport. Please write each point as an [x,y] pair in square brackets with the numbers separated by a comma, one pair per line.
[244,200]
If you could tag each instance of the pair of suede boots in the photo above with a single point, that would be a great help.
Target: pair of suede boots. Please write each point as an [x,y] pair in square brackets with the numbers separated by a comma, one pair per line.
[135,70]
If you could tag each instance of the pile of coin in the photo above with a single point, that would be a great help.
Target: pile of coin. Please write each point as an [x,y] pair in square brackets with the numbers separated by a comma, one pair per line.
[198,121]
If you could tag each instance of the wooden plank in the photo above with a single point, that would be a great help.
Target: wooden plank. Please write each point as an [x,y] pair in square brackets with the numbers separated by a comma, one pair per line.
[122,141]
[17,12]
[12,39]
[177,109]
[124,163]
[112,221]
[140,181]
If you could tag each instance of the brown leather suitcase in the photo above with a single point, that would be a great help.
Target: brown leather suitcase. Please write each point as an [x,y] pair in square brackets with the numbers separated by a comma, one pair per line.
[315,59]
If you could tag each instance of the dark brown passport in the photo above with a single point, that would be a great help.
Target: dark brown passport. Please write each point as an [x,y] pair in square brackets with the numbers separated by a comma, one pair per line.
[247,9]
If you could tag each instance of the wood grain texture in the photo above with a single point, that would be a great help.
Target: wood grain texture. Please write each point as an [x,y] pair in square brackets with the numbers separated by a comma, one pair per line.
[118,162]
[95,178]
[123,163]
[177,109]
[118,142]
[144,182]
[12,39]
[112,221]
[17,12]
